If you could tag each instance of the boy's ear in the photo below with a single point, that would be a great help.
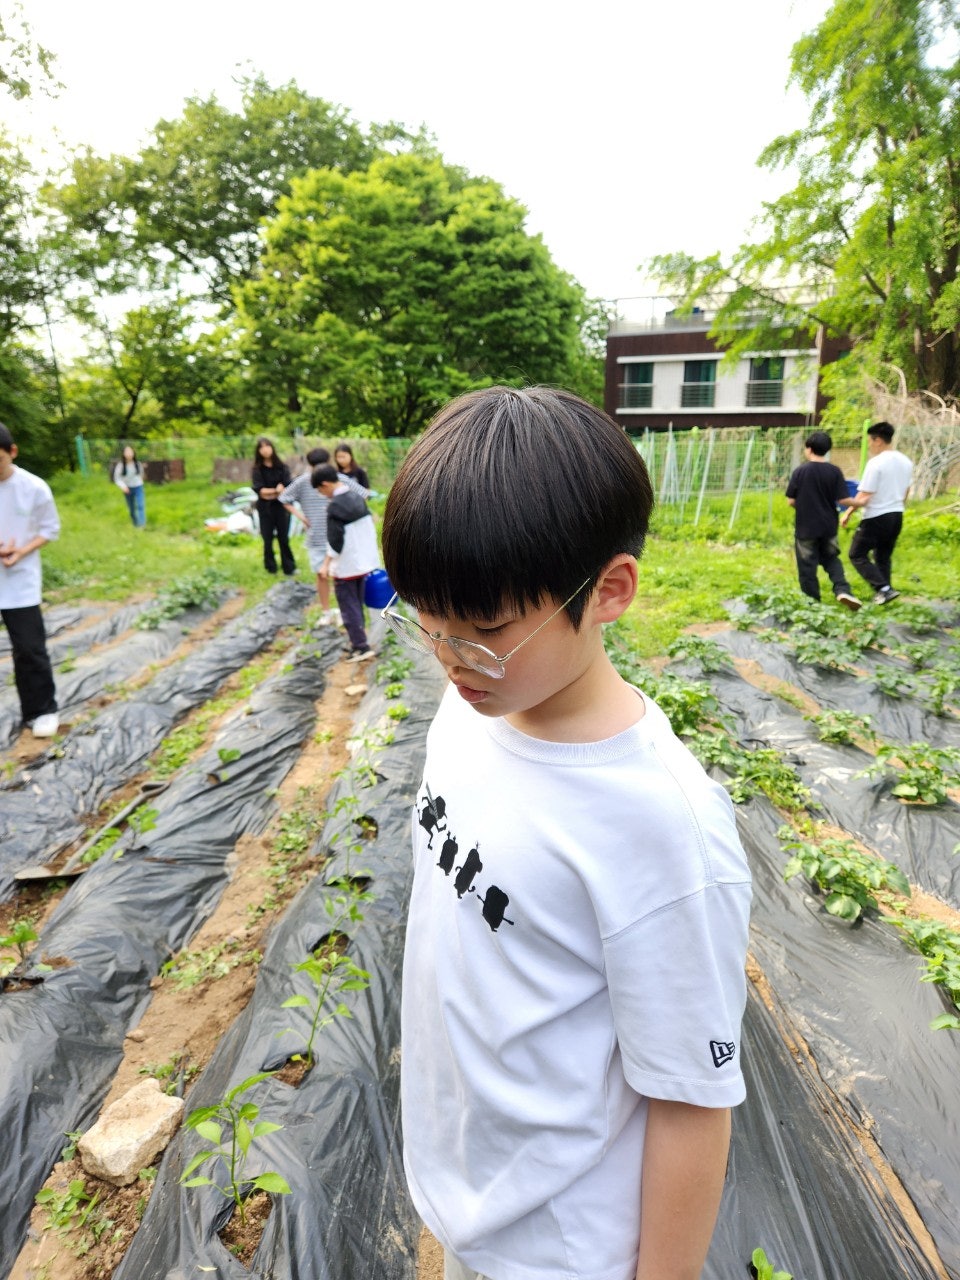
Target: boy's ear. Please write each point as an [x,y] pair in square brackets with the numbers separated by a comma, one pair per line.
[615,589]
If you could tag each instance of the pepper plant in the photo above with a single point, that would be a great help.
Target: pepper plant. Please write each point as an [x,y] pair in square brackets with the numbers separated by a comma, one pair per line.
[231,1128]
[848,877]
[925,773]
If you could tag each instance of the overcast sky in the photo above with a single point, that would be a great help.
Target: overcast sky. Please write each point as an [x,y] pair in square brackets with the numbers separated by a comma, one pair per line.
[626,127]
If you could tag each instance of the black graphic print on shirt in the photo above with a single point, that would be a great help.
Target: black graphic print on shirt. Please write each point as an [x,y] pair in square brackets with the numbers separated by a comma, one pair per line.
[432,817]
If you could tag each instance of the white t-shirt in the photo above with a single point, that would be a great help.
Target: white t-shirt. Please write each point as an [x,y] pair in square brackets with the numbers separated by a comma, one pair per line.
[575,943]
[27,510]
[887,478]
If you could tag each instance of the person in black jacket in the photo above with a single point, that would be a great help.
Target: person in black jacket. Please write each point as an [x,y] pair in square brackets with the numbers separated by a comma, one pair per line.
[270,477]
[815,490]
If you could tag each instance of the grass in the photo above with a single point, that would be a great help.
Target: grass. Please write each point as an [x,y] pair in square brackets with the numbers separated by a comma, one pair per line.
[100,556]
[686,572]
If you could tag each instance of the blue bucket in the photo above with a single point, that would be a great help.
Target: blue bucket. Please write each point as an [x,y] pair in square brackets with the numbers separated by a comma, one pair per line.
[377,591]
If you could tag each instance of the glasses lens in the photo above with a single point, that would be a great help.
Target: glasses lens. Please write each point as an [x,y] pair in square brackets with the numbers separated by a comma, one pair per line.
[477,657]
[410,632]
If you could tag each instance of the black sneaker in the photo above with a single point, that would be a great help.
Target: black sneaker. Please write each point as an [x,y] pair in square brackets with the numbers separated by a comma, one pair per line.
[885,595]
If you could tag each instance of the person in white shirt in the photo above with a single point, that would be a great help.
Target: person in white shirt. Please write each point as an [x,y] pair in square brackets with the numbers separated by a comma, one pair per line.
[28,520]
[882,496]
[573,980]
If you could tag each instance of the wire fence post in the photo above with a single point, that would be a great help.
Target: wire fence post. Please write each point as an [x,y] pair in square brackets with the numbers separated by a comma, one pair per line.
[744,472]
[706,474]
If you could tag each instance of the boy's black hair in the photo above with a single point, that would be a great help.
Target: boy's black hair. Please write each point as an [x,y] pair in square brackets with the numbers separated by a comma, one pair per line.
[882,431]
[819,442]
[317,457]
[6,438]
[323,473]
[512,497]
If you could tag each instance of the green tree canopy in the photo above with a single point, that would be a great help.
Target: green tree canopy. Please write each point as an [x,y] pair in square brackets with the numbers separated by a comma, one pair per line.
[867,243]
[192,201]
[24,64]
[385,291]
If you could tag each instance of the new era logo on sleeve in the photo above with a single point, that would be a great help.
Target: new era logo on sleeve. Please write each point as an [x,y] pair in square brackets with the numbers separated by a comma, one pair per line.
[722,1052]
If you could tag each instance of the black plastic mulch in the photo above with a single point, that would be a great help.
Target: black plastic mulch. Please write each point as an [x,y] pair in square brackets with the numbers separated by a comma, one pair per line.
[41,808]
[919,838]
[894,719]
[61,1040]
[349,1215]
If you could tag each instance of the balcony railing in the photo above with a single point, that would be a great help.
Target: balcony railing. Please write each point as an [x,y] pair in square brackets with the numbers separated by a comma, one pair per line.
[764,393]
[697,395]
[634,395]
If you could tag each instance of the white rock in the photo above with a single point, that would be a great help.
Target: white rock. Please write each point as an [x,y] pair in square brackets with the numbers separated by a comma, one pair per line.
[130,1134]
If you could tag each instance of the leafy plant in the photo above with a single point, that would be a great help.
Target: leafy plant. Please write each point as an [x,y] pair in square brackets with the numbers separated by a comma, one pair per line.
[940,947]
[172,1073]
[940,687]
[398,711]
[922,654]
[694,648]
[894,682]
[834,652]
[231,1128]
[189,968]
[926,773]
[393,690]
[21,934]
[395,668]
[920,618]
[841,726]
[106,840]
[763,771]
[193,591]
[68,663]
[848,877]
[143,819]
[331,972]
[763,1268]
[70,1208]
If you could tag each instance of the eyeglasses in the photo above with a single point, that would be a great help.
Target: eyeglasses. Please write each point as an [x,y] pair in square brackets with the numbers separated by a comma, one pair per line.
[476,656]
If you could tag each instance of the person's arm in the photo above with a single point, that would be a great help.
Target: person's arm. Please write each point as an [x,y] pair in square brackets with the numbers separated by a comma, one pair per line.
[860,499]
[684,1164]
[10,554]
[118,479]
[792,501]
[257,485]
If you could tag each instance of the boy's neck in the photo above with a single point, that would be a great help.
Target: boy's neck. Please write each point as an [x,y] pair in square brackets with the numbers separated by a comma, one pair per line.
[7,467]
[596,705]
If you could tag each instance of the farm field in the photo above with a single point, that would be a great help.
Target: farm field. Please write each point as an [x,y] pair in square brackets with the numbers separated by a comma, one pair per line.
[187,950]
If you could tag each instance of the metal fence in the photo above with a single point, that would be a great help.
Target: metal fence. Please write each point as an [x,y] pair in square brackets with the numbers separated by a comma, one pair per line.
[202,457]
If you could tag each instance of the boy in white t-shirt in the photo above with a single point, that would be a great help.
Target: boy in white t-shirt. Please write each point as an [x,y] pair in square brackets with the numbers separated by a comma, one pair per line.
[882,495]
[28,520]
[574,965]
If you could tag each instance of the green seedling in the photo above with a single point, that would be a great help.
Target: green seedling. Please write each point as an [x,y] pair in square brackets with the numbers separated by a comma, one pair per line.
[894,682]
[918,617]
[833,652]
[231,1128]
[393,690]
[21,934]
[763,1268]
[393,669]
[925,773]
[398,711]
[194,591]
[189,968]
[940,947]
[331,973]
[922,654]
[171,1074]
[842,727]
[940,687]
[69,1149]
[69,662]
[848,877]
[691,648]
[143,819]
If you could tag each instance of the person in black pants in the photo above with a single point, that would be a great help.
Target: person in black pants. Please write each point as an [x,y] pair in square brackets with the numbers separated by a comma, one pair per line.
[28,520]
[815,490]
[270,477]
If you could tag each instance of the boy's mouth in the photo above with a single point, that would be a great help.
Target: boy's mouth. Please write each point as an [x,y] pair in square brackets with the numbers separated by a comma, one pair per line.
[470,695]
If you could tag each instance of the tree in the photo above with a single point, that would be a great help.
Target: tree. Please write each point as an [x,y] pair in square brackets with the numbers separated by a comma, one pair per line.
[867,243]
[191,203]
[24,64]
[383,292]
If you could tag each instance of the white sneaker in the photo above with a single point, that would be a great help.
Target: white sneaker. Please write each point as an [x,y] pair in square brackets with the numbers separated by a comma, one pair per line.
[45,726]
[361,655]
[850,601]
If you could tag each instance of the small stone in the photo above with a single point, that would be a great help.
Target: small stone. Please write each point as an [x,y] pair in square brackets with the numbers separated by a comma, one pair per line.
[130,1133]
[136,1036]
[355,690]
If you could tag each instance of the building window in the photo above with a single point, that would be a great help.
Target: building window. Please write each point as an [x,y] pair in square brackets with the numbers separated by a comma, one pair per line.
[765,388]
[636,389]
[699,384]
